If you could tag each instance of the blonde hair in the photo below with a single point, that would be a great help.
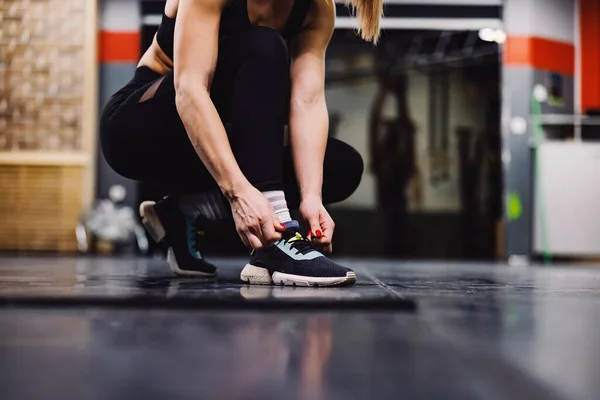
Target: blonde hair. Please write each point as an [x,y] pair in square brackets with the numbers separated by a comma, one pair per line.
[369,14]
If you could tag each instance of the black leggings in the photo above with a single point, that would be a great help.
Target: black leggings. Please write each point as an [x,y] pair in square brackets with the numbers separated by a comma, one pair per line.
[144,139]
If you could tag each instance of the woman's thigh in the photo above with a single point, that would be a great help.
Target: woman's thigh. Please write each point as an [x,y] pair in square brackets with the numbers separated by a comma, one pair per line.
[145,139]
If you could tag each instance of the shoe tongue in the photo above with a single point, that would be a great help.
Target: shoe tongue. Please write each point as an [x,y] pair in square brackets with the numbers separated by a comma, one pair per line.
[292,225]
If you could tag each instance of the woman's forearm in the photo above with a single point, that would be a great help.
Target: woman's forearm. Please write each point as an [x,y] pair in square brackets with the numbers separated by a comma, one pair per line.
[209,138]
[309,124]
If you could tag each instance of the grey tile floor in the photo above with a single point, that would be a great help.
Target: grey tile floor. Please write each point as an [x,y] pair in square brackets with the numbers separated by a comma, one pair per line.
[479,331]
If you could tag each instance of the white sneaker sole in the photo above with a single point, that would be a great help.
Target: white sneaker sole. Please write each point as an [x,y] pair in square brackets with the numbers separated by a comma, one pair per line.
[157,231]
[296,292]
[260,276]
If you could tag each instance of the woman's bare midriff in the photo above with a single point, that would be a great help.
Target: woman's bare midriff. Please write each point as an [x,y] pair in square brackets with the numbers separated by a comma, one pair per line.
[156,59]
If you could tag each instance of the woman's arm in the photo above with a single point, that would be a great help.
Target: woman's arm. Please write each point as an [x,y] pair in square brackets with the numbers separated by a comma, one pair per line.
[195,56]
[309,121]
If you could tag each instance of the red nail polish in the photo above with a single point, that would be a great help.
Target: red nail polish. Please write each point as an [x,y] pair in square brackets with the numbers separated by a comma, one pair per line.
[319,234]
[282,226]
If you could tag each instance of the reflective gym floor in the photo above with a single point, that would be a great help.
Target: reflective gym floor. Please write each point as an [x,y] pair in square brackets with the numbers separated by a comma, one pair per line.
[125,328]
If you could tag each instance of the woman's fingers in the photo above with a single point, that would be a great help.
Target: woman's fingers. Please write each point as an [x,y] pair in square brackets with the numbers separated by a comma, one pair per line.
[314,225]
[244,239]
[254,241]
[268,232]
[329,227]
[277,223]
[265,230]
[326,236]
[255,219]
[251,237]
[323,244]
[324,240]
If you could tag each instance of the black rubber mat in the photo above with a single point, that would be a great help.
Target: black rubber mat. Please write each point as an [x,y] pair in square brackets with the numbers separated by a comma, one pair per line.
[142,283]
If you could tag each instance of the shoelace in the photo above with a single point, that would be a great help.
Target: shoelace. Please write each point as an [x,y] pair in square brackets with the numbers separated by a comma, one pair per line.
[301,244]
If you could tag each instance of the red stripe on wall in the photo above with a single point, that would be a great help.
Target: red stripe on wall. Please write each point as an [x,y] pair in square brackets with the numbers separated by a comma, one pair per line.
[119,47]
[539,53]
[589,25]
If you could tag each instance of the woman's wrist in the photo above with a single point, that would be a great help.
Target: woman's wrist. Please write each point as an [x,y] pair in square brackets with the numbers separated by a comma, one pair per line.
[233,187]
[311,198]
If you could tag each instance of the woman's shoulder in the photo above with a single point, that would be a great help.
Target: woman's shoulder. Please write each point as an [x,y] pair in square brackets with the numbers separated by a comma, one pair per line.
[321,12]
[171,8]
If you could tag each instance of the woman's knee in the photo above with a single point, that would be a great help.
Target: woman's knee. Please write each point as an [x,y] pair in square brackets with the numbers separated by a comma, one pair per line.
[343,171]
[268,45]
[354,169]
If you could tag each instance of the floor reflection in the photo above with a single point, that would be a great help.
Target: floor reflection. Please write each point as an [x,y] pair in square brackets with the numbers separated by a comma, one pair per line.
[265,357]
[481,331]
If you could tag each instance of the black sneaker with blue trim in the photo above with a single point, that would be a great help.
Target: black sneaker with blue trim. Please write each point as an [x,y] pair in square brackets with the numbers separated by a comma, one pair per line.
[296,261]
[166,223]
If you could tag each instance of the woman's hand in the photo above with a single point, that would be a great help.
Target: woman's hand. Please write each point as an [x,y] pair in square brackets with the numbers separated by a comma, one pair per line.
[255,219]
[320,223]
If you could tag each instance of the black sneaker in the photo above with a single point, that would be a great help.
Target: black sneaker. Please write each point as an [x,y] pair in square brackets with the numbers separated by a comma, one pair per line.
[294,260]
[164,221]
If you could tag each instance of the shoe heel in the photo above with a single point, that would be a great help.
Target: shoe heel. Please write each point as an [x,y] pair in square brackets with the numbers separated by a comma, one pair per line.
[255,275]
[151,221]
[172,261]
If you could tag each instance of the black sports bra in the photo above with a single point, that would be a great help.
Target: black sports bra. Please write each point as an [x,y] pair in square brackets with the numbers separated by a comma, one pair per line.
[235,19]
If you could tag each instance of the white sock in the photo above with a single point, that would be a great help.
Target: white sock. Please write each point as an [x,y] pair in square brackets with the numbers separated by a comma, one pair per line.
[277,200]
[210,205]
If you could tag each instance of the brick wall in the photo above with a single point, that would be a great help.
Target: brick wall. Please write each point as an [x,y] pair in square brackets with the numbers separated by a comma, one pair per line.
[41,74]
